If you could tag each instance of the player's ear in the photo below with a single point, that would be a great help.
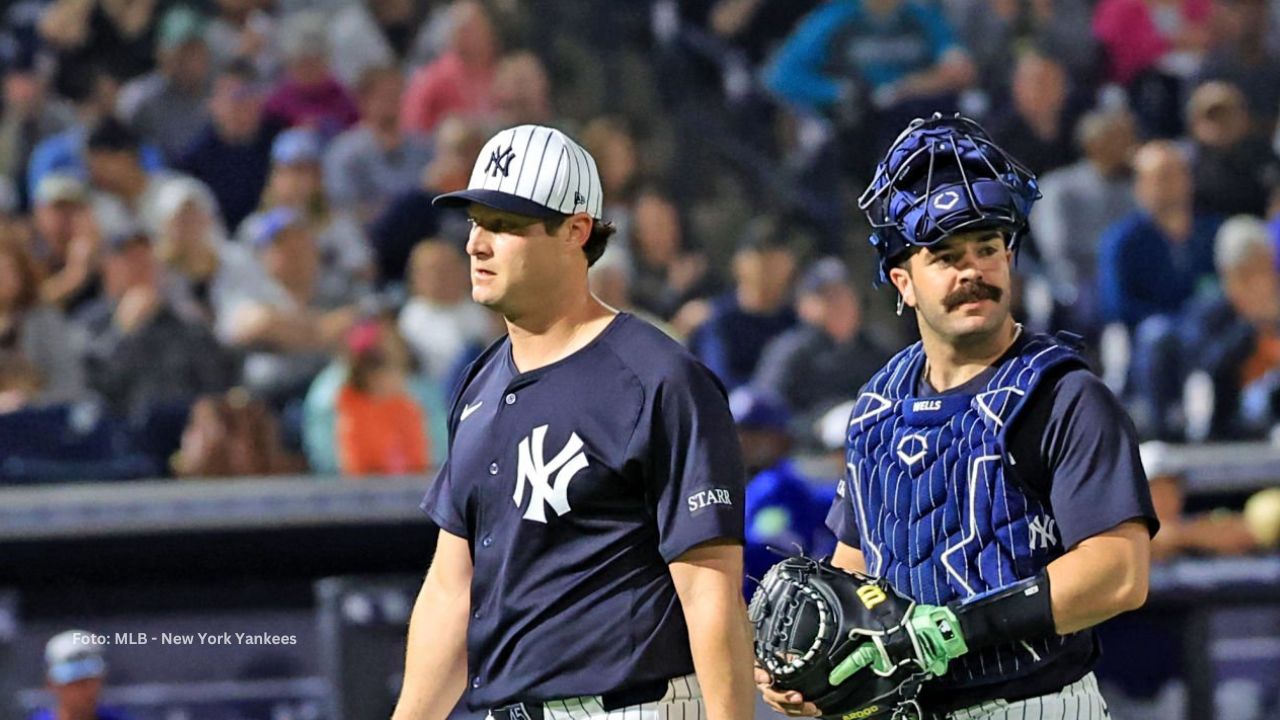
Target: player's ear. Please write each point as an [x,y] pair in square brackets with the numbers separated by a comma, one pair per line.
[578,230]
[901,279]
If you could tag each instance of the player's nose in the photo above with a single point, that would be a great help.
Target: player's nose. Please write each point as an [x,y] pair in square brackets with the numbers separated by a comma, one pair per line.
[478,242]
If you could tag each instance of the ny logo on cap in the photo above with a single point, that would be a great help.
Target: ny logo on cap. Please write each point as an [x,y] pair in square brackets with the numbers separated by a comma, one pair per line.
[500,162]
[578,199]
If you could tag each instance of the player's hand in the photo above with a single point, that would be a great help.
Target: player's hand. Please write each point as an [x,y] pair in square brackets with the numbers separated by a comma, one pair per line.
[787,702]
[929,637]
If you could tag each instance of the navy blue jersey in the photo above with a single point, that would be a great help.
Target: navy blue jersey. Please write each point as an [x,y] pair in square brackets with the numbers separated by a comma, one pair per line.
[576,484]
[1073,449]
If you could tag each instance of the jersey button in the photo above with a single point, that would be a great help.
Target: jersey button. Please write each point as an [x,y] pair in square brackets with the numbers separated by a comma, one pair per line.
[493,468]
[487,541]
[475,682]
[511,398]
[476,614]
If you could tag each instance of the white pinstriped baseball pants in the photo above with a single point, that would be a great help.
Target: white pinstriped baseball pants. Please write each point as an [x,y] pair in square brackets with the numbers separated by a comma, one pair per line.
[683,701]
[1080,700]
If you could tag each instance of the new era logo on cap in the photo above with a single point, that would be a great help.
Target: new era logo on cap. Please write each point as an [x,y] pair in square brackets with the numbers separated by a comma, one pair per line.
[533,170]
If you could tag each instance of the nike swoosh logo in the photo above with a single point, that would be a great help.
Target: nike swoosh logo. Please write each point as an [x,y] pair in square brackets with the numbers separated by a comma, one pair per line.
[468,409]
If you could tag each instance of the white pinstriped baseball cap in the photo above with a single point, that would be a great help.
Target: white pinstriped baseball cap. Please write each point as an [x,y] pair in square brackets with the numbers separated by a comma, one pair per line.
[532,170]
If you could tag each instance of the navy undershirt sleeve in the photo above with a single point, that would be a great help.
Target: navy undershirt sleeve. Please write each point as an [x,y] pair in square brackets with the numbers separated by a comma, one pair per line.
[1089,448]
[841,519]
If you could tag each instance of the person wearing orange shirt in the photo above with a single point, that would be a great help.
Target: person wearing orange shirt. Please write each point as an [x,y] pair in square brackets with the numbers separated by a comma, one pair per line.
[381,429]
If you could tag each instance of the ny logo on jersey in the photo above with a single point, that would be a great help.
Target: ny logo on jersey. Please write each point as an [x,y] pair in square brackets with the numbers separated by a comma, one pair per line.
[1042,529]
[534,471]
[500,162]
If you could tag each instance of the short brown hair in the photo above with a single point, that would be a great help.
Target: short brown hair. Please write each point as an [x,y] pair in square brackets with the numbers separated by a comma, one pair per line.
[596,243]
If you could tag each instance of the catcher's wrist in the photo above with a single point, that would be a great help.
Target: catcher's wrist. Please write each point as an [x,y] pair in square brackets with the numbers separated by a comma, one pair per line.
[1017,612]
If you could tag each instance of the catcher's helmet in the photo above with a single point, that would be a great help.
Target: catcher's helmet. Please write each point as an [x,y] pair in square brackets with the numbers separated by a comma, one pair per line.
[941,176]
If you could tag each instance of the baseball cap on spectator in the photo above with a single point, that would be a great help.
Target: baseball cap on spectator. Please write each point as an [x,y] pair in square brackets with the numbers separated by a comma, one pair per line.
[758,410]
[72,656]
[111,135]
[61,188]
[269,225]
[180,25]
[296,146]
[822,274]
[125,237]
[535,171]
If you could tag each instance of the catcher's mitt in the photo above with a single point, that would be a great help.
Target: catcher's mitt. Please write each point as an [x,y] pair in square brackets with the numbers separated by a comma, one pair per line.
[811,617]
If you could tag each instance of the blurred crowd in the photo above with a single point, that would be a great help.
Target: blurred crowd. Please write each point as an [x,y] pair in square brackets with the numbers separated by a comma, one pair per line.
[218,255]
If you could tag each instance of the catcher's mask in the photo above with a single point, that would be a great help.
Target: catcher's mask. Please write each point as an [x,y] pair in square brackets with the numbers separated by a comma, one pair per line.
[941,176]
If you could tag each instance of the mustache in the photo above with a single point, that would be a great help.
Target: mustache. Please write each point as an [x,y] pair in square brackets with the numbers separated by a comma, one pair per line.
[971,292]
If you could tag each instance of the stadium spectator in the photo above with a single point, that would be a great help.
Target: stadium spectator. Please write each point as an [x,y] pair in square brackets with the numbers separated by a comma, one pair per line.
[232,153]
[232,434]
[125,191]
[320,409]
[784,509]
[35,331]
[116,36]
[1152,261]
[373,162]
[758,308]
[66,242]
[1243,57]
[1080,202]
[243,31]
[201,263]
[668,274]
[1234,336]
[826,359]
[93,95]
[133,319]
[381,429]
[286,327]
[1232,167]
[896,58]
[440,322]
[308,93]
[1036,125]
[993,31]
[610,140]
[522,91]
[75,669]
[411,217]
[460,81]
[30,113]
[296,182]
[753,27]
[1152,48]
[167,106]
[1183,533]
[377,33]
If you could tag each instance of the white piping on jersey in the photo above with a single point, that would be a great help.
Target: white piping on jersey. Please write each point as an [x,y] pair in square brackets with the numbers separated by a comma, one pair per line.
[873,570]
[973,520]
[982,403]
[1034,655]
[885,404]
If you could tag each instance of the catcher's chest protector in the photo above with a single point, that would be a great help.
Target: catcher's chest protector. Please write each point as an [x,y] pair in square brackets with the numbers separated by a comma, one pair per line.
[939,517]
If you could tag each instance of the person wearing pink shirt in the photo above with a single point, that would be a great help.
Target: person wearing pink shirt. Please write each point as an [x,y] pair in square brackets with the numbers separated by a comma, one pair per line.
[1141,34]
[1152,48]
[460,81]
